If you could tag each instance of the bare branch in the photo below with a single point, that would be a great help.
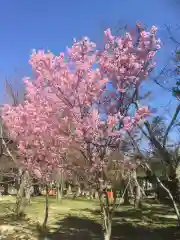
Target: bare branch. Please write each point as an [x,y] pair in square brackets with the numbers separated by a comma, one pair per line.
[171,36]
[171,124]
[5,145]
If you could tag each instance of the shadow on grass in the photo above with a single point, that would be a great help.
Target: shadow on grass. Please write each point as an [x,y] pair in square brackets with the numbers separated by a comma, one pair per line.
[158,215]
[13,228]
[12,219]
[74,228]
[129,224]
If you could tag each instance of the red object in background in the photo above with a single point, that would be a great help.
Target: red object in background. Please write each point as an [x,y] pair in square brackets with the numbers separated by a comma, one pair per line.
[54,191]
[110,195]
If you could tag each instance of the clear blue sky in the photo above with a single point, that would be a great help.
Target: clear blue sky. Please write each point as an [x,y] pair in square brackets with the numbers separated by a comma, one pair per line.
[46,24]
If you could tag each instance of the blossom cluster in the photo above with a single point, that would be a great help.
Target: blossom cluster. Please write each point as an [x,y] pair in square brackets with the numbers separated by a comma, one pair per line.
[61,104]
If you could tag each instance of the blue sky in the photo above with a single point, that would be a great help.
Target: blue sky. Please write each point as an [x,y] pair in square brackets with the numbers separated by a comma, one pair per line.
[39,24]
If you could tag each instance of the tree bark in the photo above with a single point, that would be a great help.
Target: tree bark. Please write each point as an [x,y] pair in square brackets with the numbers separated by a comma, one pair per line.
[137,192]
[46,208]
[176,180]
[58,194]
[28,195]
[137,199]
[69,190]
[126,193]
[107,233]
[59,191]
[79,192]
[106,220]
[154,178]
[178,190]
[5,186]
[172,199]
[107,211]
[28,188]
[21,200]
[37,191]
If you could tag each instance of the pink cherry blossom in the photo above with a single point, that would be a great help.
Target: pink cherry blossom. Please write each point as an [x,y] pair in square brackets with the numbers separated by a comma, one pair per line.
[61,110]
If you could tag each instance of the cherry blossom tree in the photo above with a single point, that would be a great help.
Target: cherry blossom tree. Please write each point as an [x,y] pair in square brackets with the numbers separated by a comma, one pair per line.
[68,107]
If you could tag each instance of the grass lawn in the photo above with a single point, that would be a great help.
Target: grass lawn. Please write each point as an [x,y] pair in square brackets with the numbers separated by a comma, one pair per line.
[80,219]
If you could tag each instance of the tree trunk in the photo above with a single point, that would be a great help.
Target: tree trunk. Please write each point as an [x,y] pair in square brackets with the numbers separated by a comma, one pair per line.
[37,191]
[78,191]
[69,190]
[59,191]
[5,186]
[177,183]
[126,198]
[106,220]
[46,208]
[171,197]
[137,192]
[96,195]
[21,201]
[126,193]
[19,209]
[137,199]
[28,195]
[28,188]
[58,194]
[154,178]
[107,233]
[91,194]
[131,190]
[106,211]
[178,190]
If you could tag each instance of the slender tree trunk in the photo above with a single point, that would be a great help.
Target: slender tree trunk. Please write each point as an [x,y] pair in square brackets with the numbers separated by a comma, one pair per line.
[178,190]
[36,191]
[126,193]
[95,195]
[46,208]
[131,190]
[137,200]
[171,197]
[126,198]
[176,179]
[20,201]
[107,225]
[137,192]
[69,190]
[106,217]
[28,195]
[5,186]
[59,191]
[20,197]
[107,232]
[62,189]
[154,178]
[79,192]
[107,210]
[28,188]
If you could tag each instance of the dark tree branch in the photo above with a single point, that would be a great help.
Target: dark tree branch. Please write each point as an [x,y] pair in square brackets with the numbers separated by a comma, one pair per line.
[171,124]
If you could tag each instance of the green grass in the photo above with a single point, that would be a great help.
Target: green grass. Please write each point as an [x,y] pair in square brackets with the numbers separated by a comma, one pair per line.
[80,219]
